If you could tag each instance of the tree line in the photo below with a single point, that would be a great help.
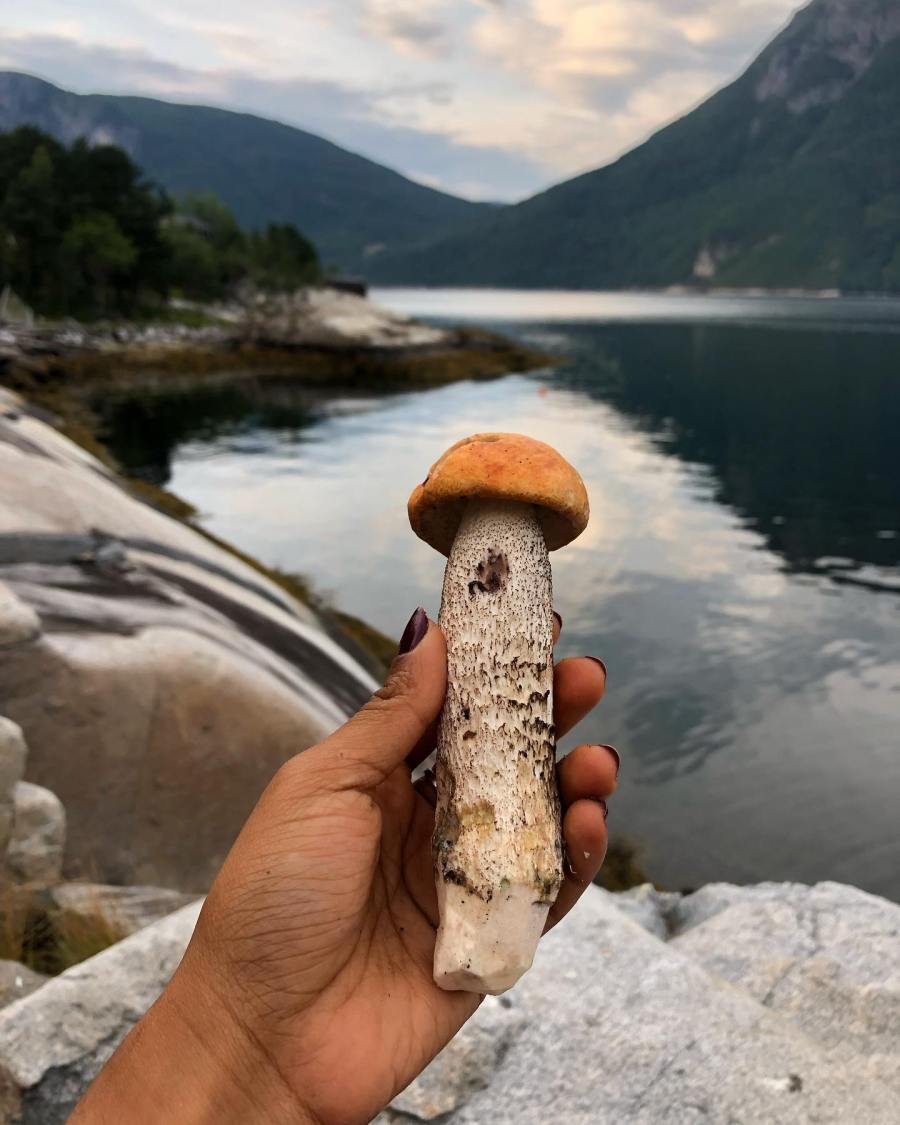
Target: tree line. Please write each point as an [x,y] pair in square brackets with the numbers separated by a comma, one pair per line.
[83,233]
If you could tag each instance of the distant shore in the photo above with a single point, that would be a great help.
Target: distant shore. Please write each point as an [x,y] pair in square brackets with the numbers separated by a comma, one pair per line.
[316,335]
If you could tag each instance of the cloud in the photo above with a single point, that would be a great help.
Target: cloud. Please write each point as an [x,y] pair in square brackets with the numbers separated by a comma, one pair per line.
[371,121]
[507,94]
[615,70]
[414,26]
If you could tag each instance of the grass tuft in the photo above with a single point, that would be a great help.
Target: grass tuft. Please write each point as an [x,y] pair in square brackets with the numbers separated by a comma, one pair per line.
[49,940]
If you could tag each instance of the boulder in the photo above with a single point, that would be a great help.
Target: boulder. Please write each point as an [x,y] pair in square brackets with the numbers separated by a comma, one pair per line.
[54,1042]
[465,1066]
[35,850]
[615,1025]
[612,1025]
[165,681]
[13,755]
[17,981]
[827,958]
[128,909]
[652,909]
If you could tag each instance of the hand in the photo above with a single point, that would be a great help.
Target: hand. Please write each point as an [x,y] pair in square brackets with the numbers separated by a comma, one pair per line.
[306,993]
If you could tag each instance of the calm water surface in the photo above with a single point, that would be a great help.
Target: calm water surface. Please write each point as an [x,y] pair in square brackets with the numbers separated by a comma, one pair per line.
[739,577]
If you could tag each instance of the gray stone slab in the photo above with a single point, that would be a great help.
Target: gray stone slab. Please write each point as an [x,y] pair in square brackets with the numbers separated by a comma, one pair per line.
[827,957]
[54,1042]
[619,1027]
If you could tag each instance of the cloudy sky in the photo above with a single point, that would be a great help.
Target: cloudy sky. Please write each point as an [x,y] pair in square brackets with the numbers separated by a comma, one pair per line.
[492,99]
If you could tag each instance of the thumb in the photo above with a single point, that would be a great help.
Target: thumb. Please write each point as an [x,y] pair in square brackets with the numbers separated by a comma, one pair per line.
[381,736]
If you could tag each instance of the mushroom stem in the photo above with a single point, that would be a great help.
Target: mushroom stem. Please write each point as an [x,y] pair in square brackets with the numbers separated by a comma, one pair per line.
[497,839]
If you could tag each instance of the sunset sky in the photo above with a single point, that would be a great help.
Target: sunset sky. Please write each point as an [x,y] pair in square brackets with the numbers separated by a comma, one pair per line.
[491,99]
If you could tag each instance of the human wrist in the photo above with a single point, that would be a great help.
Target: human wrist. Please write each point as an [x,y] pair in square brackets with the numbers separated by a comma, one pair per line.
[190,1061]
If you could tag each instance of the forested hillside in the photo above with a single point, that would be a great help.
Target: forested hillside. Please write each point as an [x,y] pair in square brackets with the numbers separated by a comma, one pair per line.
[790,177]
[265,172]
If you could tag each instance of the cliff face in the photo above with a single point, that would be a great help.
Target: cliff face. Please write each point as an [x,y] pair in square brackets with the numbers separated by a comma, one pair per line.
[789,177]
[29,101]
[824,51]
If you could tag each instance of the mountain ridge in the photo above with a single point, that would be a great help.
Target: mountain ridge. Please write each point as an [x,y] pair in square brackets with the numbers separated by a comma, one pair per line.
[786,178]
[266,171]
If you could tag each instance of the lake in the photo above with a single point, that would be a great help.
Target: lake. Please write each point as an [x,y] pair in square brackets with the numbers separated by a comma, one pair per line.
[739,576]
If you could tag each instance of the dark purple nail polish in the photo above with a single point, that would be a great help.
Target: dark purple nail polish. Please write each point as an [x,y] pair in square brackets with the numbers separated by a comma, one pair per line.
[414,633]
[614,754]
[597,660]
[558,619]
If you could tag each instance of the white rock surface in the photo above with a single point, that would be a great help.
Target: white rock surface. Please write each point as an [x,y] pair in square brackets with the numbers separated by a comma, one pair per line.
[13,755]
[825,957]
[54,1042]
[38,839]
[332,319]
[166,681]
[614,1026]
[465,1066]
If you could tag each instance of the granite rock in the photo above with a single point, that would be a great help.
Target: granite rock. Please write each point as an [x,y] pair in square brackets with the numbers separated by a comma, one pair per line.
[617,1025]
[13,756]
[54,1042]
[612,1025]
[38,839]
[17,981]
[464,1067]
[825,957]
[167,680]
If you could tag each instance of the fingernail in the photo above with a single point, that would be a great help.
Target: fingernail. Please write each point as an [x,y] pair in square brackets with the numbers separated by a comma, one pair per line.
[558,619]
[414,632]
[604,807]
[597,660]
[614,753]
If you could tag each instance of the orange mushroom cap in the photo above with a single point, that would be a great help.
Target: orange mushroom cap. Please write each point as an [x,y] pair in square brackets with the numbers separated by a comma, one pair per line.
[499,467]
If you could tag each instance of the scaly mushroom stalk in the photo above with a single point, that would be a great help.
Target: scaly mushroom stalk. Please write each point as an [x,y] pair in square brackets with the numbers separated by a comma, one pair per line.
[495,504]
[497,839]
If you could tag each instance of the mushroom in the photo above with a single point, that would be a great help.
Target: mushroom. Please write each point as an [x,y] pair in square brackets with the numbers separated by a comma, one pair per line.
[495,504]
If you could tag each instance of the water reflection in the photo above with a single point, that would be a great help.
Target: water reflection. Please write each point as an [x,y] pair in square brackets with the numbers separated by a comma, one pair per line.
[739,479]
[800,429]
[144,431]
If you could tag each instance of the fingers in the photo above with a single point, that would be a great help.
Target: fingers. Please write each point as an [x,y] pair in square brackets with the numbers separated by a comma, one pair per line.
[584,834]
[396,719]
[578,686]
[589,772]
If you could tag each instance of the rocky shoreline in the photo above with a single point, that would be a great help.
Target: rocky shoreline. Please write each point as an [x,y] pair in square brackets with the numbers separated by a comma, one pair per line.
[318,336]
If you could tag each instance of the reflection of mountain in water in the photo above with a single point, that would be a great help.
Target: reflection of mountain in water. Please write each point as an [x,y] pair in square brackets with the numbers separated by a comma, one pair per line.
[143,431]
[799,427]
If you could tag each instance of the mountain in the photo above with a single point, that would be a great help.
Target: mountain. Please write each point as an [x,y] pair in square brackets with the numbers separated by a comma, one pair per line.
[265,171]
[789,177]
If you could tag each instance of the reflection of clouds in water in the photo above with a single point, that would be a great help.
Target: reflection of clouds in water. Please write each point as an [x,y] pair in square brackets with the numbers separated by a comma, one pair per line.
[734,687]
